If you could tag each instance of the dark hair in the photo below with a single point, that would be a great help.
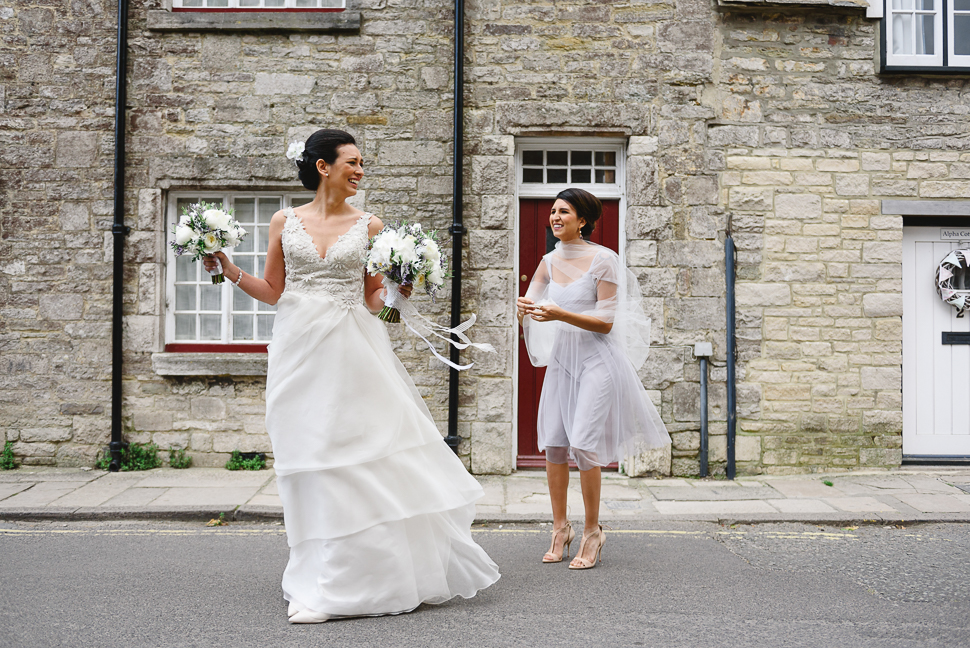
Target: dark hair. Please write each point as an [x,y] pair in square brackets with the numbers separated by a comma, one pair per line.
[587,206]
[322,145]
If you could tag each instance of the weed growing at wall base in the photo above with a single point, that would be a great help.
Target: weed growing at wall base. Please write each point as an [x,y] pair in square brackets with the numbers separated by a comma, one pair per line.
[6,457]
[178,459]
[134,456]
[249,461]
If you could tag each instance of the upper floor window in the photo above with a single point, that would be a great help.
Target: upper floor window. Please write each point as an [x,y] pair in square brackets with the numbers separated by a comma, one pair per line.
[259,5]
[926,36]
[568,166]
[198,312]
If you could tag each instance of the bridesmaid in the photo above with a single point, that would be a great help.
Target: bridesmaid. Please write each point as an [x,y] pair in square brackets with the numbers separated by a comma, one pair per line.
[582,317]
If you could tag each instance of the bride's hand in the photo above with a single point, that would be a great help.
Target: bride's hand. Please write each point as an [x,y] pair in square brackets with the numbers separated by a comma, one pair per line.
[209,261]
[405,290]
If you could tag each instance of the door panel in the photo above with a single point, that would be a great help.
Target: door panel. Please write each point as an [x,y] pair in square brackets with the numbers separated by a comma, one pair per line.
[936,376]
[535,240]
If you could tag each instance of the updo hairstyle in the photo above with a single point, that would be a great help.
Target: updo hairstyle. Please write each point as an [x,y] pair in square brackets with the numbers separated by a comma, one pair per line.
[587,206]
[322,145]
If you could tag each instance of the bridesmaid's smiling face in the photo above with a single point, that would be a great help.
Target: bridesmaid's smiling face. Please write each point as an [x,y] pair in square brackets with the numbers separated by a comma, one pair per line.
[345,173]
[564,221]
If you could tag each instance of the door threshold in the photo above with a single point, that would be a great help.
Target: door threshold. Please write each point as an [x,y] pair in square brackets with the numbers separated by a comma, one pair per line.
[936,460]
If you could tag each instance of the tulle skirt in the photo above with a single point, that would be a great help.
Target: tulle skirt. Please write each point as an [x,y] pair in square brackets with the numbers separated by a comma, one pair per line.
[377,508]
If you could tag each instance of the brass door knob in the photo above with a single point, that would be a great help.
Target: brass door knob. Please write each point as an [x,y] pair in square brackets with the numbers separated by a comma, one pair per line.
[524,277]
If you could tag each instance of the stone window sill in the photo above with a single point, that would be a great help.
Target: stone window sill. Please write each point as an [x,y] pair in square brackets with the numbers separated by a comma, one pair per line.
[853,4]
[209,364]
[195,21]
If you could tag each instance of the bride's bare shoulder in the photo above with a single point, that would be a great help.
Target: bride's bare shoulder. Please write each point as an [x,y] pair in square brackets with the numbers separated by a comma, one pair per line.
[374,226]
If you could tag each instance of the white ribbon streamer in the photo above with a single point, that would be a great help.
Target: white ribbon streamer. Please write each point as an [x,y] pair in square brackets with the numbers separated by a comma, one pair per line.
[421,326]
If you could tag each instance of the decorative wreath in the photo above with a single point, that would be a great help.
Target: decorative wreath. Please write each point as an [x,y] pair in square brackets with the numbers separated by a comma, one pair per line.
[956,264]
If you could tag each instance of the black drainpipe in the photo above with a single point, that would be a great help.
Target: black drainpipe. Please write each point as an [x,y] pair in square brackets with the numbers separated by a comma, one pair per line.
[118,230]
[457,228]
[732,401]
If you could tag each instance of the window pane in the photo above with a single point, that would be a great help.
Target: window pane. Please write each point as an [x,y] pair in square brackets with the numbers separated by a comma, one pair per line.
[275,3]
[605,158]
[241,301]
[184,269]
[961,5]
[185,298]
[532,158]
[306,3]
[268,207]
[604,176]
[191,3]
[245,245]
[557,158]
[296,201]
[582,158]
[262,306]
[902,34]
[211,297]
[245,263]
[532,175]
[262,265]
[242,327]
[263,239]
[924,35]
[264,327]
[902,4]
[244,210]
[248,3]
[580,176]
[961,34]
[211,327]
[185,327]
[556,176]
[924,5]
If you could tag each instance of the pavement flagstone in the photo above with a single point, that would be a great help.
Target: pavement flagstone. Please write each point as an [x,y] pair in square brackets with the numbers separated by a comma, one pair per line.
[906,495]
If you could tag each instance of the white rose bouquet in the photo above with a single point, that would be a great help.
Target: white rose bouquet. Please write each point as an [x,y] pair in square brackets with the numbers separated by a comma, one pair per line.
[205,229]
[406,255]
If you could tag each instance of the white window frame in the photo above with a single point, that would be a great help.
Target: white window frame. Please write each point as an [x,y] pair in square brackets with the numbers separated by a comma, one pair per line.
[915,60]
[171,218]
[234,5]
[954,60]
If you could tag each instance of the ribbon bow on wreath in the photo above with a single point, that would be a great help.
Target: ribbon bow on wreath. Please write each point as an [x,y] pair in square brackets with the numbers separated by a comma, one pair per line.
[954,265]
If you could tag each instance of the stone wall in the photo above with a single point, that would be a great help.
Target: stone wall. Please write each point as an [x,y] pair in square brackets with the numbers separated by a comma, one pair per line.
[56,166]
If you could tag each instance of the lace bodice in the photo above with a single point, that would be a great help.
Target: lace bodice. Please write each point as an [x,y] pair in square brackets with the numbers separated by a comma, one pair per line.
[340,275]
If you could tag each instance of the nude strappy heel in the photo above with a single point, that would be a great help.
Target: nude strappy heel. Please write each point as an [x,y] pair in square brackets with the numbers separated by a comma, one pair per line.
[582,563]
[551,555]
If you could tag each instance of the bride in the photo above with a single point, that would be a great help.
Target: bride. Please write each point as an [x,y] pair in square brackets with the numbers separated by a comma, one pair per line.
[377,508]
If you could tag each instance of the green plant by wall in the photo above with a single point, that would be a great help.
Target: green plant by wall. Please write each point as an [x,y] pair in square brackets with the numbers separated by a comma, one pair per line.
[237,462]
[134,456]
[178,459]
[6,457]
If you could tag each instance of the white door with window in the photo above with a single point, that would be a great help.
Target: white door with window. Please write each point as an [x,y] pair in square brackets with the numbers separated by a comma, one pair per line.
[936,376]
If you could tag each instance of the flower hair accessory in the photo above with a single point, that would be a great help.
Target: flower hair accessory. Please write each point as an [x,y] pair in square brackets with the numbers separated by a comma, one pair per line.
[295,151]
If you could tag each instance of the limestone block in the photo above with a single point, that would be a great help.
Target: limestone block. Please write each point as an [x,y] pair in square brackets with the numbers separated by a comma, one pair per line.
[34,449]
[750,199]
[722,136]
[498,363]
[61,307]
[657,282]
[798,206]
[639,145]
[151,420]
[926,170]
[220,52]
[497,211]
[502,145]
[494,399]
[241,442]
[492,174]
[411,153]
[882,378]
[706,282]
[490,249]
[689,254]
[794,272]
[876,162]
[207,407]
[367,63]
[633,117]
[685,36]
[642,181]
[496,298]
[883,304]
[943,189]
[701,190]
[150,213]
[649,462]
[77,455]
[140,333]
[876,251]
[747,448]
[663,366]
[650,222]
[763,294]
[166,440]
[693,313]
[75,216]
[282,84]
[76,149]
[491,448]
[882,422]
[641,253]
[852,185]
[201,441]
[45,434]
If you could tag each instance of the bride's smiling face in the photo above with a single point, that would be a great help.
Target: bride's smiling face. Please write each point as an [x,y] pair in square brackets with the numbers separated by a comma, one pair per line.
[564,221]
[346,171]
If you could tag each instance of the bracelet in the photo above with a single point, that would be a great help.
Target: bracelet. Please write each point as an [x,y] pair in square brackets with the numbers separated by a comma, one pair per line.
[238,279]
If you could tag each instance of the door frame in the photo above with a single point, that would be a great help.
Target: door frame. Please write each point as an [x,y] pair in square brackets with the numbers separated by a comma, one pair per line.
[615,191]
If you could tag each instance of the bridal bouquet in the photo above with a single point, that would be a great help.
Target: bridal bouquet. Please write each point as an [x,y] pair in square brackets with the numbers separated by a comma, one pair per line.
[407,255]
[205,229]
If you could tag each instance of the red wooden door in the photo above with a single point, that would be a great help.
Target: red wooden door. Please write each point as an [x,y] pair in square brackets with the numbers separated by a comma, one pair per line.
[535,240]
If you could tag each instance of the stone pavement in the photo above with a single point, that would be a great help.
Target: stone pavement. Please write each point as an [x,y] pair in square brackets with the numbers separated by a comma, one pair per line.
[905,495]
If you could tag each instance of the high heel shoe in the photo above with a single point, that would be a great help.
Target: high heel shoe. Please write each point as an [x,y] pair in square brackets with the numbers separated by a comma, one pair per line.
[579,562]
[306,616]
[551,555]
[291,609]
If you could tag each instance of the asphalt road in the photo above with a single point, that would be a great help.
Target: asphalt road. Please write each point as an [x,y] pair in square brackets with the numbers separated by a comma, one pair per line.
[670,585]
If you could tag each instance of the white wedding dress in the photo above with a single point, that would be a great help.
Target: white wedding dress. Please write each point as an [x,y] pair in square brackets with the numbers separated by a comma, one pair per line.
[377,507]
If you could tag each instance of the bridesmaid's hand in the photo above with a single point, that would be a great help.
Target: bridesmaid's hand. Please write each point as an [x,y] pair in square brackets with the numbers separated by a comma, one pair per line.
[547,313]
